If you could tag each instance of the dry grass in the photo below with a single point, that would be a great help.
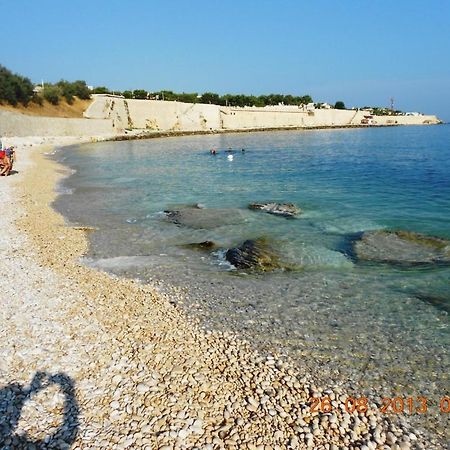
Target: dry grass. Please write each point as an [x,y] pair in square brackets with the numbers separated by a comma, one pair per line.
[63,109]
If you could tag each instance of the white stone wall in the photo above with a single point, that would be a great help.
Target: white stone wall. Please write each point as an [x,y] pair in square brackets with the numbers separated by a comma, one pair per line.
[108,115]
[241,118]
[166,116]
[405,120]
[162,115]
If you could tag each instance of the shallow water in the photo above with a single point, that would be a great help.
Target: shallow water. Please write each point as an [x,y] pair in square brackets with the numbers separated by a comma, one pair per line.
[374,328]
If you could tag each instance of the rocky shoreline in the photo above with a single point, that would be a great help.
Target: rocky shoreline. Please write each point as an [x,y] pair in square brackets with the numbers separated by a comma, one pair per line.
[93,361]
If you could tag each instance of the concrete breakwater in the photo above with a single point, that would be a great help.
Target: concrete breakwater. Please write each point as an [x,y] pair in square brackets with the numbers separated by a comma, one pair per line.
[109,115]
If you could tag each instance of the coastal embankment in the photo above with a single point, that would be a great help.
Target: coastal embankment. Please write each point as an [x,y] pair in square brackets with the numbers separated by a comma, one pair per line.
[176,116]
[89,360]
[113,115]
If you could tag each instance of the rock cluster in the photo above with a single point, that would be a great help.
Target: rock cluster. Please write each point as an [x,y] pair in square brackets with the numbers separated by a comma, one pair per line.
[205,218]
[254,254]
[138,373]
[204,245]
[278,209]
[402,247]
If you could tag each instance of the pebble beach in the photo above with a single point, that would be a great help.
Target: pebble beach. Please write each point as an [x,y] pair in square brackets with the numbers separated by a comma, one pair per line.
[93,361]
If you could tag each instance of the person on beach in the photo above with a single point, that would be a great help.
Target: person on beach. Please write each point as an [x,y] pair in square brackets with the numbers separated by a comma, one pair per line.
[6,161]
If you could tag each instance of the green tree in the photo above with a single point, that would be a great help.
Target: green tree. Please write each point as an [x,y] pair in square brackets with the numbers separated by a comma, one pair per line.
[100,90]
[167,95]
[81,90]
[188,97]
[140,94]
[210,97]
[127,94]
[259,101]
[339,105]
[52,93]
[38,99]
[15,88]
[66,90]
[306,99]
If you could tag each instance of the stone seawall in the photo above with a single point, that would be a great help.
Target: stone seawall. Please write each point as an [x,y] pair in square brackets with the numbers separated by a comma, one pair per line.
[160,115]
[242,118]
[109,115]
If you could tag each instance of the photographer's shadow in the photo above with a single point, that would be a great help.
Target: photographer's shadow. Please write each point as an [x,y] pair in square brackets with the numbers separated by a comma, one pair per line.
[12,400]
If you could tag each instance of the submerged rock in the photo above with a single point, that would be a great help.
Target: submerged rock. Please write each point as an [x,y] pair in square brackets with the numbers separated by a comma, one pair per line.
[278,209]
[254,254]
[203,218]
[187,206]
[401,247]
[205,245]
[440,302]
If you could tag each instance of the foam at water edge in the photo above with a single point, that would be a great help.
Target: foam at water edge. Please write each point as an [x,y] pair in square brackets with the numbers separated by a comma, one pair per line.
[221,261]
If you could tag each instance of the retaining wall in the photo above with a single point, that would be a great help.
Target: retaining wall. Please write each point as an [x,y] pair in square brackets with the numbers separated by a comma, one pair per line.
[405,120]
[113,115]
[241,118]
[161,115]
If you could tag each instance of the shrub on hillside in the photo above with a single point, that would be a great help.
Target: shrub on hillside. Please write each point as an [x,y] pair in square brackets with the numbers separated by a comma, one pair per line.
[52,94]
[69,90]
[100,90]
[14,88]
[66,90]
[140,94]
[81,90]
[38,99]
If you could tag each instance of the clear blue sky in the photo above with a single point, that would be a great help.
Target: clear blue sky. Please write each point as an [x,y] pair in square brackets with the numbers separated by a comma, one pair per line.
[361,52]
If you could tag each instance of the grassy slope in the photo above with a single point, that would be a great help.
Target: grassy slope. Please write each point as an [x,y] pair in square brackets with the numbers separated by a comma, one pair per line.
[63,109]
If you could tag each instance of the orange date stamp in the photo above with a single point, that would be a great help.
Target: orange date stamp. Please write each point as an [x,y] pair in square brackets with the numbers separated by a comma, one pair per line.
[395,405]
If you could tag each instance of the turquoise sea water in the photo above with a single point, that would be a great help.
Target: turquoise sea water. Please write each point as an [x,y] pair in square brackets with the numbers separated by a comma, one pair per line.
[371,327]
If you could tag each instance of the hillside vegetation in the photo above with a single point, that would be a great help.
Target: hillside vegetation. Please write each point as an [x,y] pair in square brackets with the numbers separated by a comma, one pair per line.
[71,98]
[62,99]
[47,109]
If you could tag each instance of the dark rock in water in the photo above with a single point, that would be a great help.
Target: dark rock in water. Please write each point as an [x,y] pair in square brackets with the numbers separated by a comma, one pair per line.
[254,254]
[205,245]
[440,302]
[401,247]
[203,218]
[278,209]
